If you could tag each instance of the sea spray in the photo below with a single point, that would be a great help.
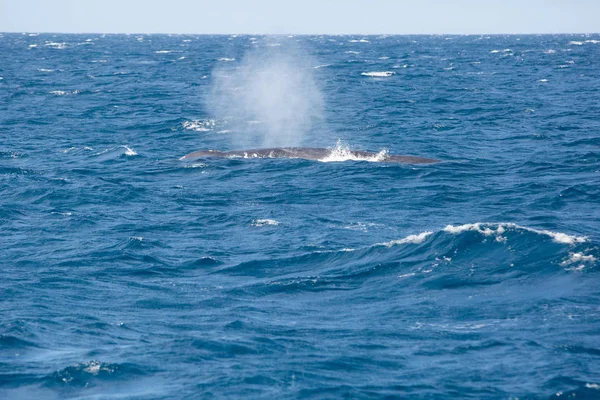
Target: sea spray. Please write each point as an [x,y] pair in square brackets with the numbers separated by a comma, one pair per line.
[270,98]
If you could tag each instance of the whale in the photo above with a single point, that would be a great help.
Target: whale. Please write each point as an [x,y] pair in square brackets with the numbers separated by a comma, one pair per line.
[311,153]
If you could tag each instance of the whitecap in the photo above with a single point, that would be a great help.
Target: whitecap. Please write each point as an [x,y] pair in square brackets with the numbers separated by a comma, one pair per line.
[164,51]
[56,45]
[500,228]
[542,80]
[500,51]
[194,165]
[129,151]
[352,52]
[199,126]
[592,386]
[31,46]
[378,74]
[576,43]
[64,214]
[45,70]
[359,41]
[265,222]
[578,258]
[64,93]
[592,41]
[550,51]
[226,59]
[413,239]
[321,66]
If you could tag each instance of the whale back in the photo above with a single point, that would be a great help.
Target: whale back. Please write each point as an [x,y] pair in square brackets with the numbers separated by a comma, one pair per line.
[308,153]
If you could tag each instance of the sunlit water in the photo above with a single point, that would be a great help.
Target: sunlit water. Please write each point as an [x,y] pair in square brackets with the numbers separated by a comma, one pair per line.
[128,273]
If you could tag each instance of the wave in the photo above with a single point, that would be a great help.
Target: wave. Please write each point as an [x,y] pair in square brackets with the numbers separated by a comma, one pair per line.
[379,74]
[65,92]
[55,45]
[455,256]
[199,125]
[116,152]
[265,222]
[91,373]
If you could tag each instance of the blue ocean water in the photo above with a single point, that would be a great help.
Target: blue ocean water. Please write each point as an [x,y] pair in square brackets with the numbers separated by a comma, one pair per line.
[129,273]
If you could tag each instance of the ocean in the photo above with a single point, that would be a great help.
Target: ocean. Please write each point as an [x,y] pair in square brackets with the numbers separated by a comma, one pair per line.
[129,272]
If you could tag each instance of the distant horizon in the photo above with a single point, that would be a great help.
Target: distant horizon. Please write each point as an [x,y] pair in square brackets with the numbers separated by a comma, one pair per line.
[299,34]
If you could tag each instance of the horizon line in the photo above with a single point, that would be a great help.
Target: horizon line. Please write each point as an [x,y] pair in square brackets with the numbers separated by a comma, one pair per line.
[301,34]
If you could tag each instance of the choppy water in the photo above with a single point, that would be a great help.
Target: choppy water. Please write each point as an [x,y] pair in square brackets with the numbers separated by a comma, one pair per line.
[128,273]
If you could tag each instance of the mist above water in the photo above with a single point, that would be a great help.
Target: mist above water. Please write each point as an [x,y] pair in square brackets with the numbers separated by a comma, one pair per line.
[268,99]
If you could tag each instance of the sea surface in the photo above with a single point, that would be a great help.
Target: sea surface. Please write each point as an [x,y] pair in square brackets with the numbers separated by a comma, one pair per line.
[126,272]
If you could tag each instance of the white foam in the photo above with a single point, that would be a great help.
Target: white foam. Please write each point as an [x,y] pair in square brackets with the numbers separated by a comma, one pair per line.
[321,66]
[265,222]
[195,165]
[341,152]
[500,228]
[378,74]
[407,275]
[384,58]
[500,51]
[575,43]
[93,367]
[592,41]
[550,51]
[592,386]
[164,51]
[414,239]
[226,59]
[64,214]
[31,46]
[45,70]
[56,45]
[64,93]
[577,258]
[352,52]
[542,80]
[359,41]
[129,151]
[199,126]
